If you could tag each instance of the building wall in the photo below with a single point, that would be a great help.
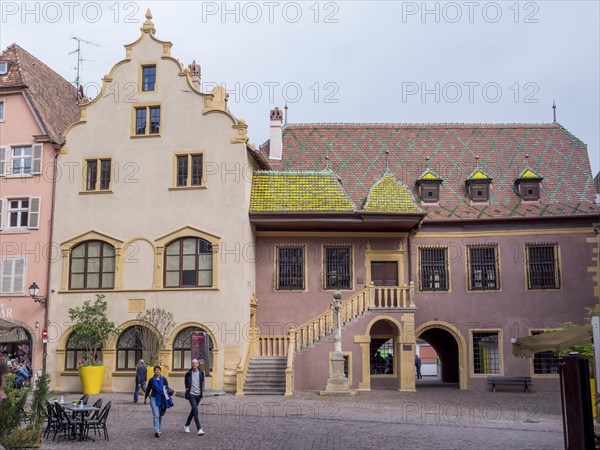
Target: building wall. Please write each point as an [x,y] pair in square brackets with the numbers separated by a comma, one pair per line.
[512,310]
[33,244]
[144,212]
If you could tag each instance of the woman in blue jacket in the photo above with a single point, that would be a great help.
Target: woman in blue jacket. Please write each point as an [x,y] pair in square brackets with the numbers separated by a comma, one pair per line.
[158,400]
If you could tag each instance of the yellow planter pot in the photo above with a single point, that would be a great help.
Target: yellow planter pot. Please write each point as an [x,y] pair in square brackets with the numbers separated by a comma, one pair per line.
[91,379]
[593,392]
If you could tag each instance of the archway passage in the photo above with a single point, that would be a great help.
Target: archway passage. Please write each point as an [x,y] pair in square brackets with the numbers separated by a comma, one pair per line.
[446,348]
[383,364]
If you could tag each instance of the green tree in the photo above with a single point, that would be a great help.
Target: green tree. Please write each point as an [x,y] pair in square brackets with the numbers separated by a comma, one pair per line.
[91,328]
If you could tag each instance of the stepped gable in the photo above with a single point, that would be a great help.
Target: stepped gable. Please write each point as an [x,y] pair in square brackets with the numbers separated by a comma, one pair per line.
[53,98]
[356,153]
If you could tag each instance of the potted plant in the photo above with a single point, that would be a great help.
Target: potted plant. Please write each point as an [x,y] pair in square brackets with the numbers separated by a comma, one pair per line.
[39,398]
[12,413]
[91,329]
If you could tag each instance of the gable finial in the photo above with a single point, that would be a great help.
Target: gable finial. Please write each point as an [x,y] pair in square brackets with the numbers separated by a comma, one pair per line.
[554,110]
[285,116]
[148,26]
[527,161]
[476,162]
[327,160]
[426,162]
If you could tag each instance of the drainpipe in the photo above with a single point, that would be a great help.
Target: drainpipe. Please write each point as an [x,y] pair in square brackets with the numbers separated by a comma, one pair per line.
[50,233]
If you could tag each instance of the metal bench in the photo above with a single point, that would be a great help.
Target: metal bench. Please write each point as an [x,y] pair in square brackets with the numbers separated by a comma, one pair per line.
[509,380]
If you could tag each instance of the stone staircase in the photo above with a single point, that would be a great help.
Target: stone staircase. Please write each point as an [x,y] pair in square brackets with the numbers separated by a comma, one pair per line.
[266,376]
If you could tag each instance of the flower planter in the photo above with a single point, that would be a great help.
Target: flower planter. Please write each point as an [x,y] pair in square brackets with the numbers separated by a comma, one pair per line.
[91,379]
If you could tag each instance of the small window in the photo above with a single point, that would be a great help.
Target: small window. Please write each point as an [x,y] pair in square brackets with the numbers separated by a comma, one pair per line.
[479,192]
[13,275]
[433,268]
[530,191]
[147,120]
[290,268]
[148,78]
[3,68]
[430,192]
[486,354]
[545,363]
[338,267]
[483,267]
[1,110]
[189,170]
[22,159]
[98,174]
[542,266]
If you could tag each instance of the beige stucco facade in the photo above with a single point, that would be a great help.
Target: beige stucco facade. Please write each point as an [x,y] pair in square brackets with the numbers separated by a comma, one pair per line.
[144,210]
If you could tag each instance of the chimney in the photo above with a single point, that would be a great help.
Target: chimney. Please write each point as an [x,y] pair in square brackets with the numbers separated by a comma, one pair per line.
[276,141]
[195,74]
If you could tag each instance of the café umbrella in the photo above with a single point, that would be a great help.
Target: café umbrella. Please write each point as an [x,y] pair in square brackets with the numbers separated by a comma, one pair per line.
[554,340]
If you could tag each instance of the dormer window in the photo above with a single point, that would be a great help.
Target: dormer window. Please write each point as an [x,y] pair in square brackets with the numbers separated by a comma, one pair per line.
[528,185]
[3,68]
[529,190]
[479,191]
[429,190]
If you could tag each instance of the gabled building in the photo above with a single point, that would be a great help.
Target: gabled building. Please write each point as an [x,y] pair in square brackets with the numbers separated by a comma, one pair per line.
[36,106]
[156,216]
[463,236]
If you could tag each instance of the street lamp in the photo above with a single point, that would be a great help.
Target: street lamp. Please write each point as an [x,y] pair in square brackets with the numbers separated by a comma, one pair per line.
[34,290]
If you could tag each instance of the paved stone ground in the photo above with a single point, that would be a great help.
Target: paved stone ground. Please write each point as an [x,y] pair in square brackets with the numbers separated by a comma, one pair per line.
[432,418]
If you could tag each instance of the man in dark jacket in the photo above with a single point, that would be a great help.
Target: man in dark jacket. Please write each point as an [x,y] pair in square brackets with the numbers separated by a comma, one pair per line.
[141,374]
[194,390]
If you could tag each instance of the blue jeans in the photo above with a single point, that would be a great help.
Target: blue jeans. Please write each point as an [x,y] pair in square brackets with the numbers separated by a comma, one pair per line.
[194,400]
[136,393]
[155,414]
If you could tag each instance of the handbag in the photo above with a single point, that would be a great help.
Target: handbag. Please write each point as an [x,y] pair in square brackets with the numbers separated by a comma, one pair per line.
[170,392]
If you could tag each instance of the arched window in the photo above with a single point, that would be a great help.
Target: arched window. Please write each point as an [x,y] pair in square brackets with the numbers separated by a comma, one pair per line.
[188,262]
[75,352]
[92,266]
[129,349]
[182,350]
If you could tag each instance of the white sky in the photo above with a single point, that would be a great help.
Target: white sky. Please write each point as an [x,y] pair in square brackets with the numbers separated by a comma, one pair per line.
[350,61]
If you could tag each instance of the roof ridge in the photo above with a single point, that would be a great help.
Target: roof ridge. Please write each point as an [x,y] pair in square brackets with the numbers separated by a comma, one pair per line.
[428,124]
[38,61]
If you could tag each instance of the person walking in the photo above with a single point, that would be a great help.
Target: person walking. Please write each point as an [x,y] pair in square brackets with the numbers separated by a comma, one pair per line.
[157,387]
[418,366]
[141,375]
[194,390]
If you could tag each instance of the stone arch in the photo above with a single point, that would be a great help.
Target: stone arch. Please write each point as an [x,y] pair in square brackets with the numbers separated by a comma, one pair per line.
[460,343]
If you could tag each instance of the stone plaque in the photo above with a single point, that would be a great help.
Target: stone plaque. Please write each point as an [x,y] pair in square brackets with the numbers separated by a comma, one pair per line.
[136,305]
[360,281]
[407,347]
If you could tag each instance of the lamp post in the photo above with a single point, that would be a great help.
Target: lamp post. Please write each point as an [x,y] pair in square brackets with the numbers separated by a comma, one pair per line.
[34,290]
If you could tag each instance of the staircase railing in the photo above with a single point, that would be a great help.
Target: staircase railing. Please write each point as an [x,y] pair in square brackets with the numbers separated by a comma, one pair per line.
[273,345]
[289,368]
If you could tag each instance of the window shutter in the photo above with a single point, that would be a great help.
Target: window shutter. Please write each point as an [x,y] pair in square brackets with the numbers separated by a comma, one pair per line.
[19,277]
[37,159]
[1,213]
[7,269]
[34,212]
[3,151]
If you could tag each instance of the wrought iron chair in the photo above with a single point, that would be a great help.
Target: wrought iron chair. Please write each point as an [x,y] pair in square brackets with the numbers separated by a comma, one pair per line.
[99,423]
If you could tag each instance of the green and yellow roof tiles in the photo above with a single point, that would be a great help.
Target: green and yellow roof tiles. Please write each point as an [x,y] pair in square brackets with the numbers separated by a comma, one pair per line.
[529,174]
[478,175]
[389,195]
[298,191]
[429,175]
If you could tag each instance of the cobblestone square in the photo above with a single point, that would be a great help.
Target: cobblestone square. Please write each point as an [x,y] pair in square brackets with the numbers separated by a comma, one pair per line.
[432,418]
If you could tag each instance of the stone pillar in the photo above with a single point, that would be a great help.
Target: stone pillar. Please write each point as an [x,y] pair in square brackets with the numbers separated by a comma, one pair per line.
[337,383]
[406,351]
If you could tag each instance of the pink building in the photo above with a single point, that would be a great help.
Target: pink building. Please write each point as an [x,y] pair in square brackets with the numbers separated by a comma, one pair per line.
[36,106]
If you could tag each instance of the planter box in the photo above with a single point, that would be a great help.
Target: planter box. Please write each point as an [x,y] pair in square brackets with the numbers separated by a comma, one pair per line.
[91,379]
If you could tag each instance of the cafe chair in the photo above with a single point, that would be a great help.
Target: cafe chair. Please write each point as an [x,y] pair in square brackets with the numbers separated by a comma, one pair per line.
[99,423]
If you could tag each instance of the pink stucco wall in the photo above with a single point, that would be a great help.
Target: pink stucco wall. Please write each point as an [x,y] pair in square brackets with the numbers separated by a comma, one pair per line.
[18,128]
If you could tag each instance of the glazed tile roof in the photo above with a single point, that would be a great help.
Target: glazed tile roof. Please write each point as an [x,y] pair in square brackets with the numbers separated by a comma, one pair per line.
[52,97]
[389,195]
[298,192]
[356,152]
[478,175]
[529,174]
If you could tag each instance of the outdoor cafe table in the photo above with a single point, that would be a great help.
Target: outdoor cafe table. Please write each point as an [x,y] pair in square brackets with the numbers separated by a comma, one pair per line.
[81,410]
